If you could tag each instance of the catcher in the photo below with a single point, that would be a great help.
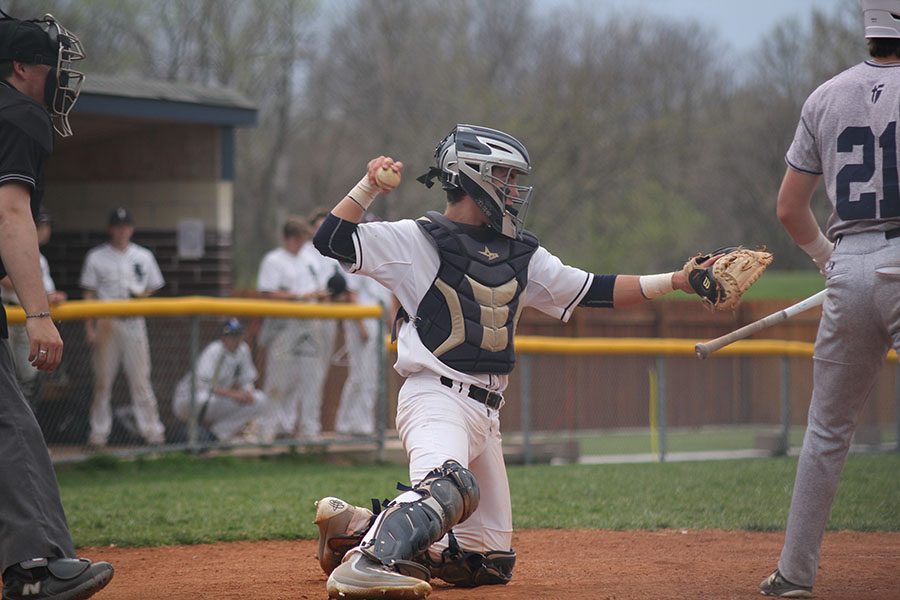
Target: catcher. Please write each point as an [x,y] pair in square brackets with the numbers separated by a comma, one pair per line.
[462,278]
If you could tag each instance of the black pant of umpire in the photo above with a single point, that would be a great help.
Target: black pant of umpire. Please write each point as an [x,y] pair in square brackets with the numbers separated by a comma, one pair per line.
[32,520]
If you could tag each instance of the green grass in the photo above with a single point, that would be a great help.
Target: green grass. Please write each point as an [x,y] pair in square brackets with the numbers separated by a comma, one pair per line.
[181,499]
[732,438]
[785,285]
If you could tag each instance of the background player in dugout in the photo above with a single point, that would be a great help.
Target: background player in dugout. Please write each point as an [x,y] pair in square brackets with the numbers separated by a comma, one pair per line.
[37,556]
[120,270]
[462,279]
[851,117]
[227,400]
[28,376]
[295,367]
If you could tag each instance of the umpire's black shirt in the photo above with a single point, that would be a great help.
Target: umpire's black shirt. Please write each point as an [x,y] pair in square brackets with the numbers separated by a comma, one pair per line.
[26,138]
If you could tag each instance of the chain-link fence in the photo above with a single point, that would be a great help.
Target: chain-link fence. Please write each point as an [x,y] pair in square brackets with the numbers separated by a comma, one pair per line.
[614,407]
[318,376]
[131,384]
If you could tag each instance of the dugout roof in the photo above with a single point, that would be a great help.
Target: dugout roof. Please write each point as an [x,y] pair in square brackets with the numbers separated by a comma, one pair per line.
[141,98]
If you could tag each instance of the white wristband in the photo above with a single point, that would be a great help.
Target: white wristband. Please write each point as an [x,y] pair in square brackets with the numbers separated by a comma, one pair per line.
[363,193]
[653,286]
[819,250]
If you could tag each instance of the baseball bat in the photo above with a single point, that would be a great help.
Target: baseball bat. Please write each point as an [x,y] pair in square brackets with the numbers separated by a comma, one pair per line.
[705,349]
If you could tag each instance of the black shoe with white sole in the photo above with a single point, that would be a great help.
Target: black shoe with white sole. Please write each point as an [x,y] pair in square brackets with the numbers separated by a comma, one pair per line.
[55,579]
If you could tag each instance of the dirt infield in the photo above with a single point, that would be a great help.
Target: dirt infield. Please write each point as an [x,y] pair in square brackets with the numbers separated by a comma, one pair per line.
[588,564]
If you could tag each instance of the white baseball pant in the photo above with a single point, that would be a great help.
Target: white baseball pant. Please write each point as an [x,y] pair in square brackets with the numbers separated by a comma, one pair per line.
[437,423]
[123,342]
[297,363]
[356,411]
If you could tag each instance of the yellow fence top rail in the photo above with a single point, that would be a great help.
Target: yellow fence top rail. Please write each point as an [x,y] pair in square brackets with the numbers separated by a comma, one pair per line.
[199,305]
[257,307]
[660,347]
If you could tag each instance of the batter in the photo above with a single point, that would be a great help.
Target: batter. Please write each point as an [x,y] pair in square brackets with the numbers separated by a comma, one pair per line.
[847,136]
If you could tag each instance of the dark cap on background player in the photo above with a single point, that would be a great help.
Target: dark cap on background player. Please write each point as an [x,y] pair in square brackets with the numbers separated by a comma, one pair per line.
[232,327]
[120,216]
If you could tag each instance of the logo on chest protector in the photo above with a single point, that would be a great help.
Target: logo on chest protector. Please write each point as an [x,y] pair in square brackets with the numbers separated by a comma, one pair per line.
[488,254]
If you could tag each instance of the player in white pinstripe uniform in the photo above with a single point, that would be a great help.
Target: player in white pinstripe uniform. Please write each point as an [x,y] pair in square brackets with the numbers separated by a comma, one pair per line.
[19,343]
[462,279]
[356,411]
[847,136]
[119,270]
[294,347]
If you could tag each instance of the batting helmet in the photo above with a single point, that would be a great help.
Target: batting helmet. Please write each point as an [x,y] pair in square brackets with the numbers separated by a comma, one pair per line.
[466,158]
[881,18]
[46,42]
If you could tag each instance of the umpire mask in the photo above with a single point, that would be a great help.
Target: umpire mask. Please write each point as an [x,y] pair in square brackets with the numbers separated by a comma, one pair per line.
[46,42]
[63,83]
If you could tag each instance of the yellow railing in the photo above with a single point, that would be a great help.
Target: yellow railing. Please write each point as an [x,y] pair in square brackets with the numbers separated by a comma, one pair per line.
[199,305]
[254,307]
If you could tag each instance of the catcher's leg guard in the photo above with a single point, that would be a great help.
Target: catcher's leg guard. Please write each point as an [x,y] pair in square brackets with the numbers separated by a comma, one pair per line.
[449,495]
[471,569]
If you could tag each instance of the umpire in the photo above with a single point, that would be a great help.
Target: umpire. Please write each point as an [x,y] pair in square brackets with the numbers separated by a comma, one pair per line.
[37,90]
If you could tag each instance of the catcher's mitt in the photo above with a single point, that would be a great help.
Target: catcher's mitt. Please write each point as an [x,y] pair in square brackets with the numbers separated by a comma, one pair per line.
[722,284]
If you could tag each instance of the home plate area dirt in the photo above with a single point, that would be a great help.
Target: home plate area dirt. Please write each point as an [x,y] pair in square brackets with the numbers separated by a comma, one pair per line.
[552,564]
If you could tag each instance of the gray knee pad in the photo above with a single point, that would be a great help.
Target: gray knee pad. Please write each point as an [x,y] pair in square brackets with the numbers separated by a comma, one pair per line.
[449,496]
[471,569]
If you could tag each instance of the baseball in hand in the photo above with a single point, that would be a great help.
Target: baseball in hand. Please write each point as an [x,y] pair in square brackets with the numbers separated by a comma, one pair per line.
[387,178]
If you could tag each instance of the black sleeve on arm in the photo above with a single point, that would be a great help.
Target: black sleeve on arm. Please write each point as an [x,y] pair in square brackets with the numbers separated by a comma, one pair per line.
[334,238]
[600,294]
[20,157]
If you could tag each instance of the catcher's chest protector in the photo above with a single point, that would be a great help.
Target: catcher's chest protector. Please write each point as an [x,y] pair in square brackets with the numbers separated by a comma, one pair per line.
[468,316]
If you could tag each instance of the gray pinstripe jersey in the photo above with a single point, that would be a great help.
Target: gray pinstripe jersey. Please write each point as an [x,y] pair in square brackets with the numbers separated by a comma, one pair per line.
[848,132]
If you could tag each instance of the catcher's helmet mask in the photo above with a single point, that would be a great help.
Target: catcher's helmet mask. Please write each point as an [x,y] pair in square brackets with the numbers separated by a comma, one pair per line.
[465,159]
[45,42]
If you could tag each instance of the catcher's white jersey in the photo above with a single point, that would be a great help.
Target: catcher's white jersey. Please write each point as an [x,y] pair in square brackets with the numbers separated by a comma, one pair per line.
[848,130]
[401,257]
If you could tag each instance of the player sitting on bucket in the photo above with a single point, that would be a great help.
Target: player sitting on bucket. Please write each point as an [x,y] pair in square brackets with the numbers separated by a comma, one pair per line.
[462,279]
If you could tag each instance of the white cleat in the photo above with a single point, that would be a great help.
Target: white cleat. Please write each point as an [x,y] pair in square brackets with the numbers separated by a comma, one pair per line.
[341,527]
[361,578]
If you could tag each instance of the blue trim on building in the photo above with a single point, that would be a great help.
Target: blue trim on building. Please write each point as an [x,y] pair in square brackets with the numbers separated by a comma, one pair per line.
[227,153]
[167,110]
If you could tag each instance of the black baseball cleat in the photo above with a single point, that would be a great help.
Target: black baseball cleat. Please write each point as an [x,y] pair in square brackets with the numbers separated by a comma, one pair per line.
[55,579]
[776,585]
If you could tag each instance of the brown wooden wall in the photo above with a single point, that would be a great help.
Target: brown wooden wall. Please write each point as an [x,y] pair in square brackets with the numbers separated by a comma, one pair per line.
[603,392]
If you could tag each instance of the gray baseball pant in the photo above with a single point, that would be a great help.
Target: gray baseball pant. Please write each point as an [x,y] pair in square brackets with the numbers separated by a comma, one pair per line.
[32,520]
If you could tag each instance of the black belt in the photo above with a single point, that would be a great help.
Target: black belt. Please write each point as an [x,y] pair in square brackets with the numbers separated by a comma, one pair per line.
[488,398]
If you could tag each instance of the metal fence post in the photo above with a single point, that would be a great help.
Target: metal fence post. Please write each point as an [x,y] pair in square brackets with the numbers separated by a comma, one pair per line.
[526,408]
[661,404]
[785,442]
[193,425]
[381,402]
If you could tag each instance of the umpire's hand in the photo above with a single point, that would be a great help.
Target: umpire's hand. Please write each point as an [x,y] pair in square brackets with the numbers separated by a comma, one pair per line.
[46,345]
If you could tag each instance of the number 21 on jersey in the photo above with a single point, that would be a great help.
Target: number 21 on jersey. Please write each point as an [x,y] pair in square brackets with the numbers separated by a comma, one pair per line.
[863,206]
